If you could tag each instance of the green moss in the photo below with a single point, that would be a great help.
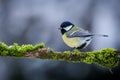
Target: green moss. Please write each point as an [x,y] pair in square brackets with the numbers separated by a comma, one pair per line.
[52,51]
[105,57]
[42,45]
[16,50]
[3,49]
[77,52]
[109,57]
[67,53]
[89,57]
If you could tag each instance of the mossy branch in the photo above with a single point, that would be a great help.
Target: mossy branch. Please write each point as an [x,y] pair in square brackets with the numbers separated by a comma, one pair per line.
[106,57]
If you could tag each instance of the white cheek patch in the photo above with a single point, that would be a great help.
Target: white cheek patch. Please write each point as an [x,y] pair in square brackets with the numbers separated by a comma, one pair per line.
[68,28]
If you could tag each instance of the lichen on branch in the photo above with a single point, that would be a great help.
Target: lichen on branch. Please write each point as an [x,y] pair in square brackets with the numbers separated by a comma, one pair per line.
[16,50]
[107,57]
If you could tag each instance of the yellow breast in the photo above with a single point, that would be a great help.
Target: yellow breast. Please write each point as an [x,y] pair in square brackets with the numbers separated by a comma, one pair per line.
[71,42]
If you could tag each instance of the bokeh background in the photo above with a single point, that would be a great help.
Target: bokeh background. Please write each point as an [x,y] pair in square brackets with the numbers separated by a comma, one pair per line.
[36,21]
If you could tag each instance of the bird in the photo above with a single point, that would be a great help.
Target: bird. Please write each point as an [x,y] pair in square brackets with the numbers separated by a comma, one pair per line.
[76,37]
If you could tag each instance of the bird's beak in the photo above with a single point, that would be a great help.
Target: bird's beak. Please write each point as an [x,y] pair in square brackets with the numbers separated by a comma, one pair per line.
[59,28]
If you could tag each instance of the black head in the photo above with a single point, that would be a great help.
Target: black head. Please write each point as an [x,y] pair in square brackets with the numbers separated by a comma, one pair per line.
[66,26]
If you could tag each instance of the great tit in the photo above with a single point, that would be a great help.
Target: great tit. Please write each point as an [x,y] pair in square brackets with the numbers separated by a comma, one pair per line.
[76,37]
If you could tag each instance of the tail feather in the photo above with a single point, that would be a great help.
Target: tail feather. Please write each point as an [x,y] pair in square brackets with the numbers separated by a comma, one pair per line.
[102,35]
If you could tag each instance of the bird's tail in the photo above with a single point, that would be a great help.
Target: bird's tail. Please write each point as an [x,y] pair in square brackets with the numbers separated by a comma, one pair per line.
[101,35]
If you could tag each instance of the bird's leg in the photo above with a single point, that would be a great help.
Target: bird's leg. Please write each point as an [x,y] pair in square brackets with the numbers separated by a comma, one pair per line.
[73,51]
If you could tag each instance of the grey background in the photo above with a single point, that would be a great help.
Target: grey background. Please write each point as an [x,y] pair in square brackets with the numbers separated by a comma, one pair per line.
[36,21]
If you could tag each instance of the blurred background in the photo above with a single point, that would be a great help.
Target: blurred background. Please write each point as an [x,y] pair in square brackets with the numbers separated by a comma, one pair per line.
[36,21]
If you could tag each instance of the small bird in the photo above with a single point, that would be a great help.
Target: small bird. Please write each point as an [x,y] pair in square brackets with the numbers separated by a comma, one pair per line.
[76,37]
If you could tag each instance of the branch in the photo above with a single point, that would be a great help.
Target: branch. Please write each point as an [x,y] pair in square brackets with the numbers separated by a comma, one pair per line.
[106,57]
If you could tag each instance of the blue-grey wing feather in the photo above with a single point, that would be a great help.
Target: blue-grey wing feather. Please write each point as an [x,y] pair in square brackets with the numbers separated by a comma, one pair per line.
[79,33]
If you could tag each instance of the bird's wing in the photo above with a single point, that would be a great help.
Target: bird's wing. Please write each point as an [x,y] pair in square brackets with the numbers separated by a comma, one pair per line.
[79,33]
